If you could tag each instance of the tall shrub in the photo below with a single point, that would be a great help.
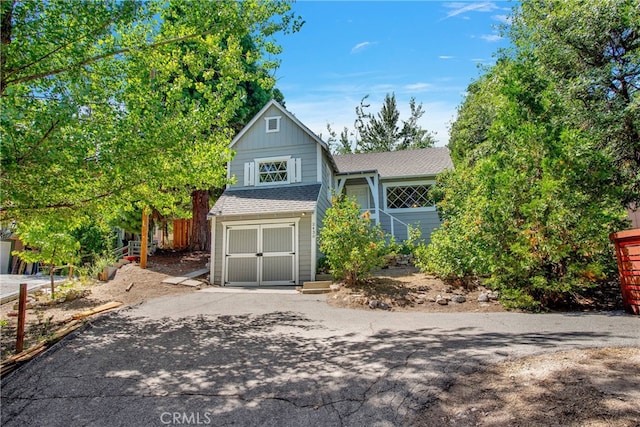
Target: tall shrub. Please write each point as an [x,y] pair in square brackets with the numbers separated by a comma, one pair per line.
[532,206]
[351,244]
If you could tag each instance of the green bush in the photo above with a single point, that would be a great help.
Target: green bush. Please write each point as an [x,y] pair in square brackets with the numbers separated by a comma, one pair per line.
[530,209]
[351,244]
[322,265]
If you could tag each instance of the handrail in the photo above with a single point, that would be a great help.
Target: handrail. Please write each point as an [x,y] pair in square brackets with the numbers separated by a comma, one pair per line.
[392,218]
[133,249]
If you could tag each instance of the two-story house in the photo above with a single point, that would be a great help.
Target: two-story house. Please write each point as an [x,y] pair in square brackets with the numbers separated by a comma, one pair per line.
[265,226]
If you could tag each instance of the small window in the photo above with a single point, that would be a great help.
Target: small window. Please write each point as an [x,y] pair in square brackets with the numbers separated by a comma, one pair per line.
[272,172]
[273,124]
[409,196]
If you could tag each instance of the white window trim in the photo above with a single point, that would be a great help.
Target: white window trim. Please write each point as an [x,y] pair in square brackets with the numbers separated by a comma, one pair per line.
[406,184]
[277,119]
[290,170]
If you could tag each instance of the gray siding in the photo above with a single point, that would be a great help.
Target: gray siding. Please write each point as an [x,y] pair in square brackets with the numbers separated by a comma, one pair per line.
[321,209]
[304,250]
[427,221]
[324,199]
[291,140]
[219,254]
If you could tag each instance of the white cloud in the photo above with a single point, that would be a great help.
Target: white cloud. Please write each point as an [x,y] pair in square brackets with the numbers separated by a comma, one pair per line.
[491,37]
[445,57]
[460,8]
[504,19]
[418,87]
[361,46]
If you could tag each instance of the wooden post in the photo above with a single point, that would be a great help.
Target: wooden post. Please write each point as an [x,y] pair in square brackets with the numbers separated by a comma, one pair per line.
[144,238]
[22,314]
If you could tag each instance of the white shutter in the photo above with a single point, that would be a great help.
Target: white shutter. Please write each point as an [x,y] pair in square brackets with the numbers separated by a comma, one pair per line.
[249,174]
[298,170]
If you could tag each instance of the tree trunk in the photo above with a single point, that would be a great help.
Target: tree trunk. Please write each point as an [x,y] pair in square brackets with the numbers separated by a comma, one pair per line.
[52,267]
[200,233]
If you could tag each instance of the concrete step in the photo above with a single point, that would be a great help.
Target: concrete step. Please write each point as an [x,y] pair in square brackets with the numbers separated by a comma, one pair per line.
[318,287]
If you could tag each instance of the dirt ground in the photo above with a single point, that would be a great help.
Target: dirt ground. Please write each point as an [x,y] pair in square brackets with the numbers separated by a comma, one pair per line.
[43,320]
[406,289]
[596,387]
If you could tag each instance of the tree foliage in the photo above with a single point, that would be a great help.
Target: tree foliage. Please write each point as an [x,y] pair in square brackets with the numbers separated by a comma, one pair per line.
[249,91]
[50,243]
[475,115]
[592,49]
[532,200]
[546,153]
[383,131]
[93,115]
[351,244]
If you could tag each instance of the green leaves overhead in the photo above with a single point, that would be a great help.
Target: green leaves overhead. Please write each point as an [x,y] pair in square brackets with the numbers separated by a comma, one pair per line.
[94,114]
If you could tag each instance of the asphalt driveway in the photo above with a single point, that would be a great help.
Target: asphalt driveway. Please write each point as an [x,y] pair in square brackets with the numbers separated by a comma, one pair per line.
[280,359]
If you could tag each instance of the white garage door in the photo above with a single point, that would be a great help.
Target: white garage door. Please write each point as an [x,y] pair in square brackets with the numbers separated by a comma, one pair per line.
[262,254]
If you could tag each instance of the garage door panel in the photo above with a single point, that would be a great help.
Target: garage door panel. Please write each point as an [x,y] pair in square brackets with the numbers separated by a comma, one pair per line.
[242,241]
[277,269]
[242,270]
[278,239]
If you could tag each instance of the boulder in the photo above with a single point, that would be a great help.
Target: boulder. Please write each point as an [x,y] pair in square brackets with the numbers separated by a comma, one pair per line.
[458,299]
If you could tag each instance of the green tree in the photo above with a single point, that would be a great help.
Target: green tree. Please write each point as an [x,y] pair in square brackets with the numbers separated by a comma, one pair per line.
[51,243]
[340,144]
[93,101]
[351,244]
[475,116]
[592,49]
[253,89]
[546,150]
[530,207]
[383,132]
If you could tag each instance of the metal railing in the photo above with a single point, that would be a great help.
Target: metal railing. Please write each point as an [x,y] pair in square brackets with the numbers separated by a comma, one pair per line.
[133,249]
[392,220]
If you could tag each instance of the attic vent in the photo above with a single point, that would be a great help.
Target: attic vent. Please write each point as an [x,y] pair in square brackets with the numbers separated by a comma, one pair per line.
[273,124]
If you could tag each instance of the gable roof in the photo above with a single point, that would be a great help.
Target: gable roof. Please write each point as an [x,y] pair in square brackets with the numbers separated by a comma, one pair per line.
[267,200]
[397,164]
[291,117]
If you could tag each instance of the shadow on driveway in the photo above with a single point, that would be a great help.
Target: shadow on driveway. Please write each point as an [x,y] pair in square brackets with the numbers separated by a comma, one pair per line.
[269,369]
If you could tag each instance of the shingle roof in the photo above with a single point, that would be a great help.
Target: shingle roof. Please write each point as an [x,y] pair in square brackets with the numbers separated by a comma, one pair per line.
[403,163]
[267,200]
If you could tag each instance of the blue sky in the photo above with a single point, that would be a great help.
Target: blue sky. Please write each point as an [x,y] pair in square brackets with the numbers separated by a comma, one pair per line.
[430,50]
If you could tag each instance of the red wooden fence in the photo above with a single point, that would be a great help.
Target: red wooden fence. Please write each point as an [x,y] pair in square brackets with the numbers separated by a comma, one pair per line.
[628,254]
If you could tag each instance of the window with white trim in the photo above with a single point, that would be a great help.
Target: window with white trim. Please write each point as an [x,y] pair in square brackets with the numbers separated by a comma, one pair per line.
[272,124]
[408,196]
[272,171]
[275,171]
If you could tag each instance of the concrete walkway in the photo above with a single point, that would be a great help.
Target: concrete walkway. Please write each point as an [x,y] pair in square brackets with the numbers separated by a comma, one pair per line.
[247,358]
[10,284]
